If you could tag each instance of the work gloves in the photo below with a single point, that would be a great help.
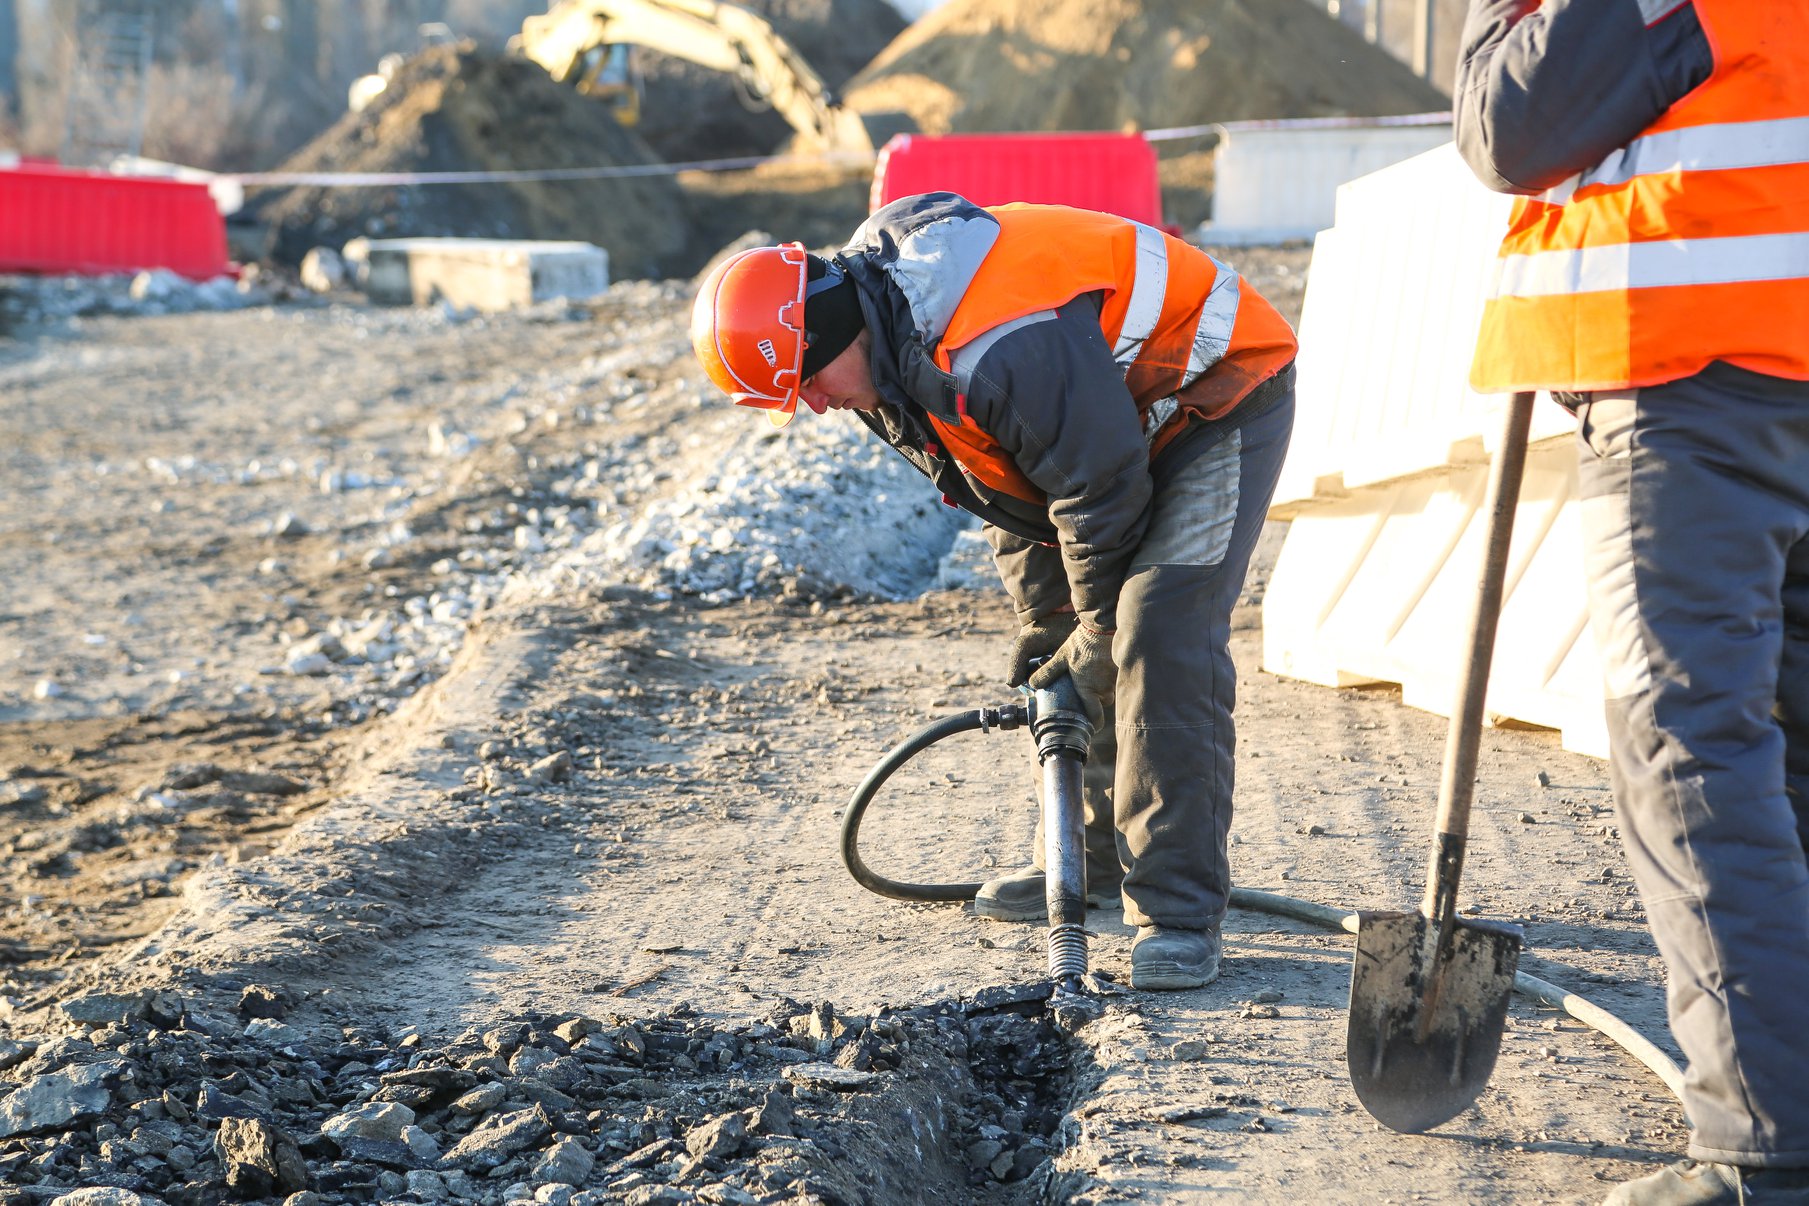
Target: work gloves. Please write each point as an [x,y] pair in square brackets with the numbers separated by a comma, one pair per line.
[1039,638]
[1086,658]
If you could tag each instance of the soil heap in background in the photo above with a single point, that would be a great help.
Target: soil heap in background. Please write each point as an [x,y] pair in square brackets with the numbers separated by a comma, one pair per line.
[453,108]
[980,65]
[690,113]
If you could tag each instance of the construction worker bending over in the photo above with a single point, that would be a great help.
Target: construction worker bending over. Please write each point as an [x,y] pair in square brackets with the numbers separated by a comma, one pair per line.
[1114,405]
[1655,276]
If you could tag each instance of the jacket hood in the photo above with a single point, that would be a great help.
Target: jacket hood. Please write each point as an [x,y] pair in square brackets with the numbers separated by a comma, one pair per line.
[912,262]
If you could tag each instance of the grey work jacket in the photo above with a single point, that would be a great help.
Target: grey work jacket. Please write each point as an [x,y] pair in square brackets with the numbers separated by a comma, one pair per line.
[1544,93]
[1048,390]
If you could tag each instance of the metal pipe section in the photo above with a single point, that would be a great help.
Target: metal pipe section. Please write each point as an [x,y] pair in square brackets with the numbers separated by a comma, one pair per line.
[1065,867]
[1063,734]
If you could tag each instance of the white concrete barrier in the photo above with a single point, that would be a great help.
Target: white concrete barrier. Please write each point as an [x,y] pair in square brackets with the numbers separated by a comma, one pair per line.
[1385,477]
[1275,181]
[481,274]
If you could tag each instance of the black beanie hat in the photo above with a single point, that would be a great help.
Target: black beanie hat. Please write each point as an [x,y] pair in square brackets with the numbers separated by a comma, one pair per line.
[832,314]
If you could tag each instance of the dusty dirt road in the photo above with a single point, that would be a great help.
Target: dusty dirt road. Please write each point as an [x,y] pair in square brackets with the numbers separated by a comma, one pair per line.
[610,809]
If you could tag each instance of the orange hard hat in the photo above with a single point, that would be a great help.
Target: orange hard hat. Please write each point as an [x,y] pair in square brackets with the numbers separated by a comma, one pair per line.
[747,328]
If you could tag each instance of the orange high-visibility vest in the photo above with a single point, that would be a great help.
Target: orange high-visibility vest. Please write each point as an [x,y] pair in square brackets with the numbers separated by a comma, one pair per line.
[1688,245]
[1190,334]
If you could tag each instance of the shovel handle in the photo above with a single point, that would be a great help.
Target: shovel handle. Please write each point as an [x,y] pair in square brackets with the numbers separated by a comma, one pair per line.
[1457,784]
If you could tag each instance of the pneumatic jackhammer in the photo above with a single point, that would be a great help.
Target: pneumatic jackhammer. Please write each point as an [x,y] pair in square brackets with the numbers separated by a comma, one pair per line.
[1063,733]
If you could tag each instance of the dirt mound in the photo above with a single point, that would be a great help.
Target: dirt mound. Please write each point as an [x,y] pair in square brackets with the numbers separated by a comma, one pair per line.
[977,65]
[452,108]
[691,113]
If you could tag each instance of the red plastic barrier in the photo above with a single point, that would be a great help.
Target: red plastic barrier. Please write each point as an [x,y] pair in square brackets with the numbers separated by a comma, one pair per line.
[57,222]
[1115,173]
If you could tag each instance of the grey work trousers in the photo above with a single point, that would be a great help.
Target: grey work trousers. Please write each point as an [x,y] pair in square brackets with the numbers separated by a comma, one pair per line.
[1158,783]
[1695,504]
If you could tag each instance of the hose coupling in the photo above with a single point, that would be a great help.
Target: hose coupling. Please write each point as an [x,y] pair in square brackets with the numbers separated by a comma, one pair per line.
[1059,722]
[1005,718]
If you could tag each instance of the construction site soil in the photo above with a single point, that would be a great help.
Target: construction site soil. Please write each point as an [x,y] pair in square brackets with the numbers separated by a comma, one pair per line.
[983,65]
[690,113]
[972,65]
[457,109]
[422,744]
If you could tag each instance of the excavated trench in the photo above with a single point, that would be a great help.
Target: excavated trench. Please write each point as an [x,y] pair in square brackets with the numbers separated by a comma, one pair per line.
[957,1101]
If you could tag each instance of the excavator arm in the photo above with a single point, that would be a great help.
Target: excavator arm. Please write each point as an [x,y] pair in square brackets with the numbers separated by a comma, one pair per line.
[719,36]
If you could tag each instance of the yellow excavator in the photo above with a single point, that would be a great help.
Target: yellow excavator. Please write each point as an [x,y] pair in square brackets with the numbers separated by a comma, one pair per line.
[585,43]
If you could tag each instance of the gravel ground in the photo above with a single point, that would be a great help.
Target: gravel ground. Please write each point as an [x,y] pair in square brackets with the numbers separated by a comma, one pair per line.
[421,744]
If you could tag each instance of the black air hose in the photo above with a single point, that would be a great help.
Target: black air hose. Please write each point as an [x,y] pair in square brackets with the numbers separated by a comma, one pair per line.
[1010,716]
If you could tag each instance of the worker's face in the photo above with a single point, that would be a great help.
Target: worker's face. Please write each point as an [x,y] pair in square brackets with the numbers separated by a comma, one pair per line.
[845,383]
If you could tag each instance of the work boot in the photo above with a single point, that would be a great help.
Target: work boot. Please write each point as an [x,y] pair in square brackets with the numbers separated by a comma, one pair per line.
[1022,896]
[1699,1183]
[1164,958]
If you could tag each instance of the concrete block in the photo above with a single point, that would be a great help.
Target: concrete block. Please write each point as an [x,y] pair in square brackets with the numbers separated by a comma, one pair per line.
[482,274]
[1378,587]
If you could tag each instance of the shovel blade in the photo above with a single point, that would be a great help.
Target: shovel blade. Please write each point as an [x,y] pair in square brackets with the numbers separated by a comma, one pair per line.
[1425,1016]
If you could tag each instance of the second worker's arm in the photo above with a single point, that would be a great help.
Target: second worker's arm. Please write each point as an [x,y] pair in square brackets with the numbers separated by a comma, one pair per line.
[1547,90]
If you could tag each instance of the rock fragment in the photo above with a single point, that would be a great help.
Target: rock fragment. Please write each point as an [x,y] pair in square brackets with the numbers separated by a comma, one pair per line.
[56,1099]
[567,1162]
[106,1009]
[259,1158]
[828,1076]
[480,1100]
[372,1132]
[102,1195]
[720,1137]
[261,1001]
[498,1138]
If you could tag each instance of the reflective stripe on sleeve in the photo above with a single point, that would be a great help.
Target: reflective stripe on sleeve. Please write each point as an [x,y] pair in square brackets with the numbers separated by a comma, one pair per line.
[1212,337]
[966,358]
[1654,11]
[1149,289]
[1718,148]
[1654,265]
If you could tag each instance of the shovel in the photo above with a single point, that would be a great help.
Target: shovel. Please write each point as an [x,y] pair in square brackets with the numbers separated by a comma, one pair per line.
[1428,992]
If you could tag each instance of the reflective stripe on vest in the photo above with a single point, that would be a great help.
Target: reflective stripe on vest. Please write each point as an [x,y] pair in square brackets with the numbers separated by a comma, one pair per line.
[1143,312]
[1148,289]
[1676,262]
[1171,313]
[1688,245]
[1720,147]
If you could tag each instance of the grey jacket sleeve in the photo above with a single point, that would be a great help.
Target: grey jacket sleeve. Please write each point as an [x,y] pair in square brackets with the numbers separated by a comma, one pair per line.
[1033,573]
[1545,92]
[1052,397]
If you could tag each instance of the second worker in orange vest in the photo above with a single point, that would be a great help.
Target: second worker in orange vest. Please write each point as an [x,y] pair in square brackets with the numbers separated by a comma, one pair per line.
[1655,278]
[1115,405]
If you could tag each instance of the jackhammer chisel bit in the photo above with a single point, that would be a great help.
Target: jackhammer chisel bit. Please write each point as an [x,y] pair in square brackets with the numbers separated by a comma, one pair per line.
[1063,734]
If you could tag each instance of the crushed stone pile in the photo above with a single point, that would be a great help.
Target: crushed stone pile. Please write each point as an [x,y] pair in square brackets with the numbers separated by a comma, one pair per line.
[456,109]
[40,299]
[1001,65]
[817,509]
[153,1102]
[691,113]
